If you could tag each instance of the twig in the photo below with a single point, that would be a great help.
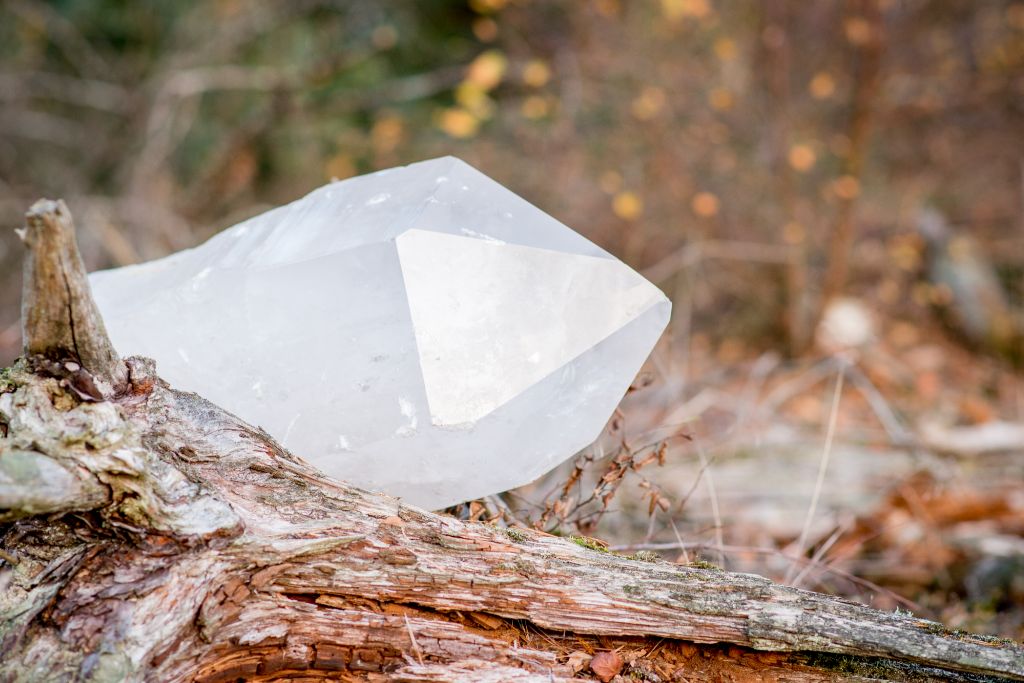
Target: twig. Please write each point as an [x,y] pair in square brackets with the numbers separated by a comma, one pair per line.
[822,469]
[759,373]
[898,434]
[867,79]
[85,92]
[777,72]
[504,511]
[679,539]
[805,380]
[42,127]
[704,464]
[713,496]
[412,637]
[819,554]
[728,250]
[680,338]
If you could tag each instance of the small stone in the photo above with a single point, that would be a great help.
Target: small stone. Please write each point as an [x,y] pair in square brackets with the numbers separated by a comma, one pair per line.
[606,665]
[847,323]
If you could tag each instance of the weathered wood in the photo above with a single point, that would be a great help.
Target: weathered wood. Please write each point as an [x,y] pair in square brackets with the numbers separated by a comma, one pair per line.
[178,543]
[34,484]
[59,317]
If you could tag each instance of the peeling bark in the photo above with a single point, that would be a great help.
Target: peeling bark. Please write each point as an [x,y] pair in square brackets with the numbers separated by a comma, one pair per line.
[167,540]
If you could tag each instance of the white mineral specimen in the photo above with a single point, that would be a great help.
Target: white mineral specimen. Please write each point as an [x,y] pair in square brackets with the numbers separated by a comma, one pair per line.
[421,331]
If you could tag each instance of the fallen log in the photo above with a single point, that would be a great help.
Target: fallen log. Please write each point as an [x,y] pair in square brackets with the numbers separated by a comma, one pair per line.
[148,535]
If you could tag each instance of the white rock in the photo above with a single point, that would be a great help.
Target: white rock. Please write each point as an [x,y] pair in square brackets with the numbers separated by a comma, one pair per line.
[846,324]
[421,331]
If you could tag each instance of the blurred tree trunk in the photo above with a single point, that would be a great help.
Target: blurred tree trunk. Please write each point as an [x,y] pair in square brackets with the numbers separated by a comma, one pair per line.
[146,534]
[777,52]
[865,30]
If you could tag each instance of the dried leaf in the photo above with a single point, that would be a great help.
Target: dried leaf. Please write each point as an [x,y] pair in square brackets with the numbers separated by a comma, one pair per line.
[606,665]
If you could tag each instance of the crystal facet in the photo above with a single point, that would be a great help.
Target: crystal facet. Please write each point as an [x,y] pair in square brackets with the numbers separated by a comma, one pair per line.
[421,331]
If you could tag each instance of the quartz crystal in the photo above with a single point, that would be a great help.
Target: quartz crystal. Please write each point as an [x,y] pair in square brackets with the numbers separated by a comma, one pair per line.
[421,331]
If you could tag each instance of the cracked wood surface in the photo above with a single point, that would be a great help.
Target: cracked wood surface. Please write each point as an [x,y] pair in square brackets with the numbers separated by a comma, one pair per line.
[59,317]
[151,536]
[215,555]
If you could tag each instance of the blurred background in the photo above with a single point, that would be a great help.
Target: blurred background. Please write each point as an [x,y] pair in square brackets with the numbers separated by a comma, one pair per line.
[832,193]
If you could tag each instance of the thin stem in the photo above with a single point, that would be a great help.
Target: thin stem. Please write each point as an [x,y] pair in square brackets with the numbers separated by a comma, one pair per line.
[822,468]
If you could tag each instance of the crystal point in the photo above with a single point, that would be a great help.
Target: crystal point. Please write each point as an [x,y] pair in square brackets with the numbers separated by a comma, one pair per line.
[421,331]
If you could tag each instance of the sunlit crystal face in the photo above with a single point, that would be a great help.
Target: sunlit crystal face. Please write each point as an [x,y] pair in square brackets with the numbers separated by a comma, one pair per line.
[421,331]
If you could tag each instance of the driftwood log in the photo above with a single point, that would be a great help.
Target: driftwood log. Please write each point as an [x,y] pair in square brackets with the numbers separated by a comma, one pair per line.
[148,535]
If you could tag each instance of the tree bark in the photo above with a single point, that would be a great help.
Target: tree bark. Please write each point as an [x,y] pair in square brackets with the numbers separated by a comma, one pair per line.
[148,535]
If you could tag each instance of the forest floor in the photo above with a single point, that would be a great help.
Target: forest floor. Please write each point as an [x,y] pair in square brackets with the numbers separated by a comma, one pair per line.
[903,487]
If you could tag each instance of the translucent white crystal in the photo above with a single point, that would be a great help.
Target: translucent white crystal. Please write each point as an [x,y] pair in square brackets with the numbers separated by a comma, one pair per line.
[421,331]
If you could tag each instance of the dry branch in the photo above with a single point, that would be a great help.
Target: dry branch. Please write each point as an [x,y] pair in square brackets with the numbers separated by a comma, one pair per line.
[867,80]
[177,543]
[59,318]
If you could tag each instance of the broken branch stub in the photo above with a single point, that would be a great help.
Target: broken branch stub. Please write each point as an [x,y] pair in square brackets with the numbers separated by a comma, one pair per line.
[60,320]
